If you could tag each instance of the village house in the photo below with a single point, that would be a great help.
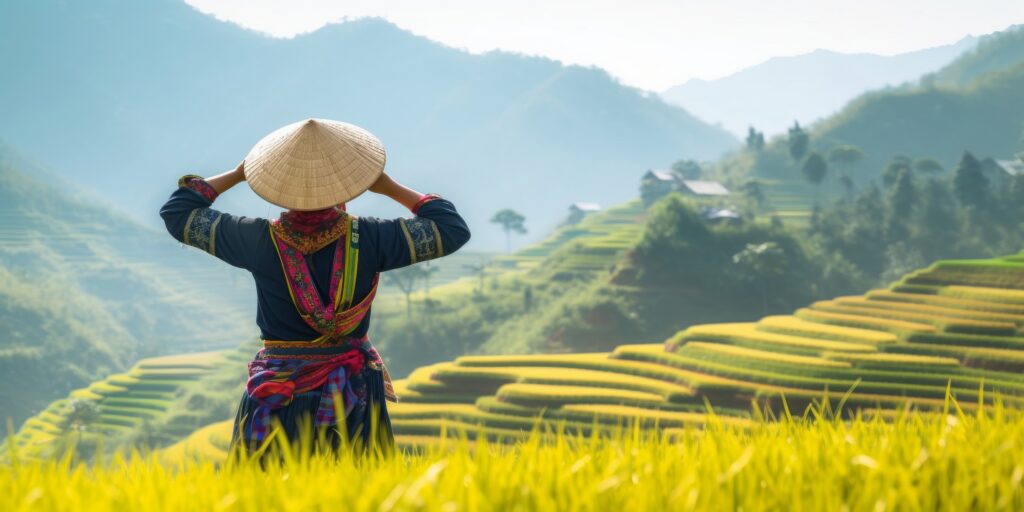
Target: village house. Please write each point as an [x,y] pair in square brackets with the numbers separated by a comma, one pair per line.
[703,188]
[577,211]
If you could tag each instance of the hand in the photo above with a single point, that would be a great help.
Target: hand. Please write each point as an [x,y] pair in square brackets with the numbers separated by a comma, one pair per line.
[383,184]
[386,186]
[240,170]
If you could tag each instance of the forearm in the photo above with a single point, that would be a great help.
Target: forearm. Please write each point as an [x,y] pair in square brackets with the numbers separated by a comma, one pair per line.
[224,181]
[403,195]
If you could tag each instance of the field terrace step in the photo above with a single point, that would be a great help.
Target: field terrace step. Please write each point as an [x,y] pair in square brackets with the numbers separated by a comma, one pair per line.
[939,320]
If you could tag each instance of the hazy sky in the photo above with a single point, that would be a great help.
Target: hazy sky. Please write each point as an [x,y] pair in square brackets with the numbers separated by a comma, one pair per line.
[651,44]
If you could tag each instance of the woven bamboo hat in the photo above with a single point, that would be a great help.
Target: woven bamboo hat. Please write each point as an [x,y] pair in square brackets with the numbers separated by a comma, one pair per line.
[314,164]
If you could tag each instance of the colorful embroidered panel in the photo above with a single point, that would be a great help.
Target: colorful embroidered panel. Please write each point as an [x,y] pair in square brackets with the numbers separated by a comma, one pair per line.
[198,184]
[329,320]
[423,238]
[311,231]
[201,229]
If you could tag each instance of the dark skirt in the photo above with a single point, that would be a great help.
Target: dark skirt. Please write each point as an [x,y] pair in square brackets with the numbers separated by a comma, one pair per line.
[367,429]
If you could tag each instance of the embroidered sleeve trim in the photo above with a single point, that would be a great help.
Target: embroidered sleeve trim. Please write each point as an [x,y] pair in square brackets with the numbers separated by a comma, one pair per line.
[201,229]
[200,185]
[423,239]
[424,199]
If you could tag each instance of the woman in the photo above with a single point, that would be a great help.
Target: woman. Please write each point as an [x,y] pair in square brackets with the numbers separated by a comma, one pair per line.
[316,270]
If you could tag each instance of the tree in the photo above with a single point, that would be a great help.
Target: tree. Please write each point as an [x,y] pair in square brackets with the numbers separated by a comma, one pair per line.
[969,183]
[428,272]
[814,168]
[510,221]
[843,158]
[904,195]
[82,415]
[760,262]
[479,269]
[688,169]
[754,192]
[755,139]
[405,279]
[893,169]
[798,142]
[928,165]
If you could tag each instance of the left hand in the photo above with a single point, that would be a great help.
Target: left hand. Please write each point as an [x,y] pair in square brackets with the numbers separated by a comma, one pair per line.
[240,170]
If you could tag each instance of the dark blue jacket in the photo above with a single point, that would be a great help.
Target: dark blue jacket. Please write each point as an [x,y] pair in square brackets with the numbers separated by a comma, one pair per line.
[245,243]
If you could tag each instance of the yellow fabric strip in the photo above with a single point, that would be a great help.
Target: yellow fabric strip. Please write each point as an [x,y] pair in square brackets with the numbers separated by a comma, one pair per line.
[213,235]
[188,227]
[408,240]
[437,236]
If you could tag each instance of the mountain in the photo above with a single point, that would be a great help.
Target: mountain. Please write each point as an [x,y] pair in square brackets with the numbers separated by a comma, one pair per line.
[85,291]
[137,93]
[771,95]
[976,104]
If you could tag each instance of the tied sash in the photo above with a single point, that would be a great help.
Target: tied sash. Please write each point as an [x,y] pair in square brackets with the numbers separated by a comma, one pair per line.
[273,383]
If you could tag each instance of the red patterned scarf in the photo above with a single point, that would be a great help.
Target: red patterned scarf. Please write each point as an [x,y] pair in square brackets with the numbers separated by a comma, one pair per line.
[311,231]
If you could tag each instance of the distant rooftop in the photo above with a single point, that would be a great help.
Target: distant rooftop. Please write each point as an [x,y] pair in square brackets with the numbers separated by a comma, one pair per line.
[705,188]
[1012,167]
[712,213]
[586,207]
[661,175]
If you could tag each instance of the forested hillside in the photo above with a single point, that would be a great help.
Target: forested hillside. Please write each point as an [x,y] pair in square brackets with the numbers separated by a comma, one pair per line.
[85,291]
[975,104]
[173,90]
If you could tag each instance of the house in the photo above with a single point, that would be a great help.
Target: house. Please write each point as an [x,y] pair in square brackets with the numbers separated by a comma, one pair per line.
[720,215]
[656,184]
[579,210]
[1000,172]
[662,176]
[1012,167]
[585,207]
[703,188]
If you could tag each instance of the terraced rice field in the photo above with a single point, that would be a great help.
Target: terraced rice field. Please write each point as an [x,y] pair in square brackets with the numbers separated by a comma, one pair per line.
[596,242]
[956,327]
[792,200]
[126,403]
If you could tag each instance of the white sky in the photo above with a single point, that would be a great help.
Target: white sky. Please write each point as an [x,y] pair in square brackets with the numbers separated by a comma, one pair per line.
[652,44]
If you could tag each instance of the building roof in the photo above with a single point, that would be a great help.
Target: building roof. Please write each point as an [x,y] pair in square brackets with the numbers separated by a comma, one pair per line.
[712,213]
[586,207]
[660,175]
[705,188]
[1012,167]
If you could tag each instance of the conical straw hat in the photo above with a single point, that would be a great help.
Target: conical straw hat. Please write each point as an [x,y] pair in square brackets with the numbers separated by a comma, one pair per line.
[314,164]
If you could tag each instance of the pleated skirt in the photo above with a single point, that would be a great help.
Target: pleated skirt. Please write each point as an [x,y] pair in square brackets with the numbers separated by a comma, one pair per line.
[367,427]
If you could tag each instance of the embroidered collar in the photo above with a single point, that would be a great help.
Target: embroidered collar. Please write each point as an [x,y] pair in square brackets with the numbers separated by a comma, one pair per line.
[311,231]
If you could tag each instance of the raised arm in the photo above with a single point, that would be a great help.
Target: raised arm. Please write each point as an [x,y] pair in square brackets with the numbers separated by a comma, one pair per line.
[190,220]
[436,228]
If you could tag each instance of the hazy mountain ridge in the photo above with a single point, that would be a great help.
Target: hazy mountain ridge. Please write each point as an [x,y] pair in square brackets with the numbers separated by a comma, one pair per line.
[984,116]
[174,90]
[807,87]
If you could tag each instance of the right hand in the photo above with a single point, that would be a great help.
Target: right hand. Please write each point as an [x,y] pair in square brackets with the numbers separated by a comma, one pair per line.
[383,184]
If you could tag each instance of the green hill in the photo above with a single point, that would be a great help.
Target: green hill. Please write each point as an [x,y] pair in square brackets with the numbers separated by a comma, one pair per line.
[992,53]
[955,325]
[976,104]
[85,292]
